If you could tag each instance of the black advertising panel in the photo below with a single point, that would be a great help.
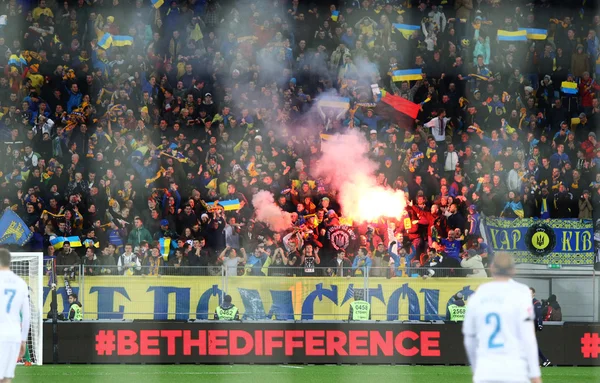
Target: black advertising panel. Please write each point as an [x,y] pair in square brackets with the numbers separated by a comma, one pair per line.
[294,343]
[582,344]
[277,342]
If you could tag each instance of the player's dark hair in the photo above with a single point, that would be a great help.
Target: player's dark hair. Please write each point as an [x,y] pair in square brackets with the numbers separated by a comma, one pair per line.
[4,258]
[532,290]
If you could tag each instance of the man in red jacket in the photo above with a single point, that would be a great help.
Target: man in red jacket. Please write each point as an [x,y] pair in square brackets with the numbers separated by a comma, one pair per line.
[589,146]
[587,90]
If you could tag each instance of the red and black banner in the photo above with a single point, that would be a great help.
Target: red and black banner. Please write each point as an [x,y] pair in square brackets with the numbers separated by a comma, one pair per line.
[292,342]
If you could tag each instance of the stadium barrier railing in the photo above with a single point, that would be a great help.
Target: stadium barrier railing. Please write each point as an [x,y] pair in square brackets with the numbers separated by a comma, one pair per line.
[287,293]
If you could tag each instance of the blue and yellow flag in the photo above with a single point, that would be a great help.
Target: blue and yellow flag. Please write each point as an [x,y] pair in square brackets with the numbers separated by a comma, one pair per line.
[334,102]
[568,87]
[166,245]
[106,41]
[59,242]
[406,30]
[512,36]
[407,75]
[335,15]
[17,61]
[14,230]
[229,205]
[535,34]
[157,3]
[122,41]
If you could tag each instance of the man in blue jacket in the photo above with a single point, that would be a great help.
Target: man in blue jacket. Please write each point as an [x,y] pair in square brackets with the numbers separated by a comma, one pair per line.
[539,325]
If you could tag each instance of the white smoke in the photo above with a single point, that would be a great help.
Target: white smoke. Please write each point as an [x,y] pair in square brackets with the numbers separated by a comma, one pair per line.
[345,159]
[268,212]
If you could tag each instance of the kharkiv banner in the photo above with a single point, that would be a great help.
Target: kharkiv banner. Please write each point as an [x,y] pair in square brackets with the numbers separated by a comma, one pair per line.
[552,241]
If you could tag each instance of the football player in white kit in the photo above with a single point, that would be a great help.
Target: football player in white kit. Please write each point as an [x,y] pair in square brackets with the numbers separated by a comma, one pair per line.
[498,330]
[14,318]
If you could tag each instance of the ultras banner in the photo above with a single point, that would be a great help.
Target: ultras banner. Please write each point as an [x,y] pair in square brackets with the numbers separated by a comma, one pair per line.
[551,241]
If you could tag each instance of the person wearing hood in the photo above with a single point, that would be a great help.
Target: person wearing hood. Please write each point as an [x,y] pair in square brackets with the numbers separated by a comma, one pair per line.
[580,62]
[545,93]
[552,311]
[473,261]
[227,311]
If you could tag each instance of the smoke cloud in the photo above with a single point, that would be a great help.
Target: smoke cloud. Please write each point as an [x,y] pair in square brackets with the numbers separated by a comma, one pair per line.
[345,159]
[269,213]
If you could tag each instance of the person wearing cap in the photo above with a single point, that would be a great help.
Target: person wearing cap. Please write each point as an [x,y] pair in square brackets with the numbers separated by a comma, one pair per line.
[456,311]
[360,310]
[474,263]
[585,206]
[589,146]
[373,139]
[583,128]
[165,230]
[498,329]
[227,311]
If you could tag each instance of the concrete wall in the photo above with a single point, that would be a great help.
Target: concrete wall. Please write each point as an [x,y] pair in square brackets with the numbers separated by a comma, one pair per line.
[575,289]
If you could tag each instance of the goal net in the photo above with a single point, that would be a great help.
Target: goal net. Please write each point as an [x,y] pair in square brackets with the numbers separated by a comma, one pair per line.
[29,266]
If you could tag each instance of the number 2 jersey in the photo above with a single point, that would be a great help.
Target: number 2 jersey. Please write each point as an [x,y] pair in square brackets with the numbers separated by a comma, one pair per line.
[499,333]
[14,308]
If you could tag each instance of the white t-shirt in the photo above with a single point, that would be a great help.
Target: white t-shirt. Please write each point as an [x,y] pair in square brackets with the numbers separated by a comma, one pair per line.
[231,266]
[14,308]
[499,333]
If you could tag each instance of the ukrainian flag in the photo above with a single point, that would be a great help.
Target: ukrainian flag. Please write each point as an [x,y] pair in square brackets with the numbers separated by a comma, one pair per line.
[326,137]
[535,34]
[17,61]
[512,36]
[58,242]
[335,15]
[165,247]
[157,3]
[479,77]
[229,205]
[106,41]
[407,75]
[568,87]
[406,30]
[122,41]
[334,102]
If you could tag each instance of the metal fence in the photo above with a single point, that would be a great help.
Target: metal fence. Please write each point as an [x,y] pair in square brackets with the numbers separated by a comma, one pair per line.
[286,293]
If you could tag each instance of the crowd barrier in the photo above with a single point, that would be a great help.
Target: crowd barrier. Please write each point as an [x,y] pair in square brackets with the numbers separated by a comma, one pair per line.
[292,342]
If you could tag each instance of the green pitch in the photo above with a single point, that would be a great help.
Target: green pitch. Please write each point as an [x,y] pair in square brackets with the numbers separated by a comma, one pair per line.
[274,374]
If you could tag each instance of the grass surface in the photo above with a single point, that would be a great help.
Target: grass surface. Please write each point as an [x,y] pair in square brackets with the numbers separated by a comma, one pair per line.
[275,374]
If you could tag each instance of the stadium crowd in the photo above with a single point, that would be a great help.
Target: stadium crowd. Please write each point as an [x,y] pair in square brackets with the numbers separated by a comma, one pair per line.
[124,121]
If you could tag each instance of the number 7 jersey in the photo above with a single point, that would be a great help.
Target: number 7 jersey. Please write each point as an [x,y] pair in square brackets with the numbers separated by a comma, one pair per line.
[499,333]
[14,308]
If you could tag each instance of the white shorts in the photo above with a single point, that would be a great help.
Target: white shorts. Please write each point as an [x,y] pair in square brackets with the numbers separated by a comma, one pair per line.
[9,353]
